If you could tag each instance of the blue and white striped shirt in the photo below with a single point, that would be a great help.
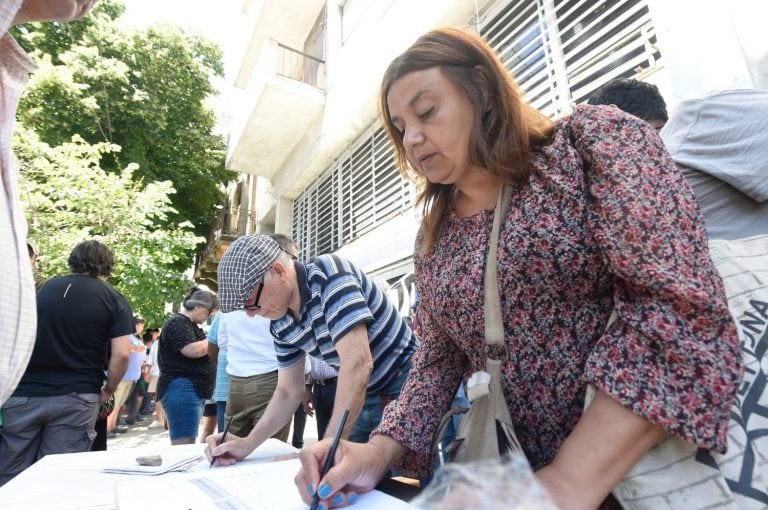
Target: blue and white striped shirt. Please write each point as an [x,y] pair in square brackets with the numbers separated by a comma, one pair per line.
[336,297]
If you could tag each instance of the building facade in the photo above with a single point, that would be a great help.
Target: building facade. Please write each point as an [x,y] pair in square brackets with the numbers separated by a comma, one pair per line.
[313,160]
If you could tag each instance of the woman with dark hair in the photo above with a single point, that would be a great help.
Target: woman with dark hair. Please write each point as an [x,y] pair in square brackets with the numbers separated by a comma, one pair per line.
[598,220]
[188,374]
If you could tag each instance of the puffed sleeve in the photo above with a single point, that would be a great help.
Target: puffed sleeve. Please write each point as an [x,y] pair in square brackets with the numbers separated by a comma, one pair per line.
[672,356]
[436,371]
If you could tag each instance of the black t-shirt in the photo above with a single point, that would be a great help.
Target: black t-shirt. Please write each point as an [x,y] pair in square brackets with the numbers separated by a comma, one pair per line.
[77,316]
[178,332]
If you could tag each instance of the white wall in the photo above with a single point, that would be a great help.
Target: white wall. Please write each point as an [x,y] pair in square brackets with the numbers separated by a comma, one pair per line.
[710,45]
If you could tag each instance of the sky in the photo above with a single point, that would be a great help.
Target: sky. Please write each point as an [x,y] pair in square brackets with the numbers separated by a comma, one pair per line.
[220,21]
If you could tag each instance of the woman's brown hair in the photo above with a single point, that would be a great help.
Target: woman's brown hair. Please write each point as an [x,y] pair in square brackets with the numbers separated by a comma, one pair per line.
[505,127]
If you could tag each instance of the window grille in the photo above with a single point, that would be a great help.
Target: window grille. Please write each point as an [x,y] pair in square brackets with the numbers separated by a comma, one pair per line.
[360,190]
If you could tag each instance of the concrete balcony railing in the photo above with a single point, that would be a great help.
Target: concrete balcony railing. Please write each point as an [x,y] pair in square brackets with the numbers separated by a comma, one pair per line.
[284,97]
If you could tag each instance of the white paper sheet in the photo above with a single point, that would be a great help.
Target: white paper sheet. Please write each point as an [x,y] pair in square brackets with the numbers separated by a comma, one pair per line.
[244,486]
[171,461]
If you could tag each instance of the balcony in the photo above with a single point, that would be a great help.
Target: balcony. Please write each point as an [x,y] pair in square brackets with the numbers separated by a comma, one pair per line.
[230,224]
[284,97]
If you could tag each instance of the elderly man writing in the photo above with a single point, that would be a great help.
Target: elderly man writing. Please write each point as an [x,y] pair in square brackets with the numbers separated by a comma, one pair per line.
[329,309]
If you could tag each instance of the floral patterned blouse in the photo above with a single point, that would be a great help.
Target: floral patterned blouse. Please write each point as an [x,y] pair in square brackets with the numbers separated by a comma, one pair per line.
[606,221]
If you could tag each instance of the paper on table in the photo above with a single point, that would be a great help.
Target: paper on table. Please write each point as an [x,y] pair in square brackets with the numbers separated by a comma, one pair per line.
[172,461]
[252,485]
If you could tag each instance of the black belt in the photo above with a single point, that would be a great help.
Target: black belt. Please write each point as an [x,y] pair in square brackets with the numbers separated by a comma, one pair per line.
[326,382]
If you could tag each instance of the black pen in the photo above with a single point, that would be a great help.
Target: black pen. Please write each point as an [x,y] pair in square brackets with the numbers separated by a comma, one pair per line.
[329,459]
[223,438]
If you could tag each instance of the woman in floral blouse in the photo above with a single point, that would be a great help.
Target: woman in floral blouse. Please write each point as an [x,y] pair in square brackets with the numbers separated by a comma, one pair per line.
[600,219]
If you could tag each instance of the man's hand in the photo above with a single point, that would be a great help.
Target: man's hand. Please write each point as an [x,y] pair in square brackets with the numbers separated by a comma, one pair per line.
[307,403]
[234,450]
[104,395]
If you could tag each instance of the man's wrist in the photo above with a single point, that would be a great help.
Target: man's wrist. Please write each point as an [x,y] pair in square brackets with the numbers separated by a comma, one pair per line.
[107,391]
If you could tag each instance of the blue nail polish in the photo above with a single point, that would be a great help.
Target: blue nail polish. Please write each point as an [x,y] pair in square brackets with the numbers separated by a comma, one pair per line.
[352,498]
[311,489]
[338,499]
[320,506]
[324,491]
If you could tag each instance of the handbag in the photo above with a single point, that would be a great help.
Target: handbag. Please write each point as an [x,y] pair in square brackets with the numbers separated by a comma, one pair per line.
[675,474]
[486,431]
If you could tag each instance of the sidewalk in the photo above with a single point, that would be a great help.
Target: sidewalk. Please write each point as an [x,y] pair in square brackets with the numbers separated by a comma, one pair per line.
[150,433]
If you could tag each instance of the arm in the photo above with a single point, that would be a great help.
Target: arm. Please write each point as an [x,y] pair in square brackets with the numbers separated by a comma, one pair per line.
[213,351]
[673,335]
[355,369]
[118,363]
[358,467]
[606,443]
[195,349]
[287,397]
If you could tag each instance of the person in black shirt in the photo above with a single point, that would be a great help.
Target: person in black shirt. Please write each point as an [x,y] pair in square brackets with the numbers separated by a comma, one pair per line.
[84,326]
[188,374]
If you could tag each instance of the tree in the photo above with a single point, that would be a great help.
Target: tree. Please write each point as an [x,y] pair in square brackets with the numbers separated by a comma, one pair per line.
[142,90]
[70,198]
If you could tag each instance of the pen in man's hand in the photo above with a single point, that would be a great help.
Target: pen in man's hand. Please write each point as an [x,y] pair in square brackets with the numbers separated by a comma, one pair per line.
[223,438]
[329,459]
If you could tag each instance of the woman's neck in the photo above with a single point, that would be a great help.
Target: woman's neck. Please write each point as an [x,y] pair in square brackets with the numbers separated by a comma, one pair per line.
[480,195]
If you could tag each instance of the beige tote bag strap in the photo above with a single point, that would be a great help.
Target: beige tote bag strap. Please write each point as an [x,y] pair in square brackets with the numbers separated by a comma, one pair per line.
[494,330]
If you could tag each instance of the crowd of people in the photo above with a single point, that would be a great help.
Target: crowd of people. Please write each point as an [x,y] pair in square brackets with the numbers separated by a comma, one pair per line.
[605,280]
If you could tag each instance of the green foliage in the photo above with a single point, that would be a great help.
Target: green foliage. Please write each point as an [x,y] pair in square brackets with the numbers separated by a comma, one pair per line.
[142,90]
[70,198]
[55,38]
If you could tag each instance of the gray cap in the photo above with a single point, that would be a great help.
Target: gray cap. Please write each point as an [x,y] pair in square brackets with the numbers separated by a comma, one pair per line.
[242,267]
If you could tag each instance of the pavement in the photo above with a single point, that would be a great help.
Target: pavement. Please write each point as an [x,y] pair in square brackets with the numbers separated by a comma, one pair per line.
[150,433]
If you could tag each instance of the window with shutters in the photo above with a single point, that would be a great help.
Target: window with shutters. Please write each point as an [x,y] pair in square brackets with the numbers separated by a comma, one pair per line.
[360,190]
[559,51]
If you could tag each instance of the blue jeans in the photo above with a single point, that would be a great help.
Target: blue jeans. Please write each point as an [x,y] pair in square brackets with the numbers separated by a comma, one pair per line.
[373,407]
[183,407]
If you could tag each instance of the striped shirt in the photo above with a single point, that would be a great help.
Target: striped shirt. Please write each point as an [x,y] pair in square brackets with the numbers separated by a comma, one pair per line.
[18,314]
[336,297]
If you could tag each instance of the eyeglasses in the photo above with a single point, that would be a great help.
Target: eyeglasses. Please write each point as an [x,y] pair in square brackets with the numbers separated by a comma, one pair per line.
[255,305]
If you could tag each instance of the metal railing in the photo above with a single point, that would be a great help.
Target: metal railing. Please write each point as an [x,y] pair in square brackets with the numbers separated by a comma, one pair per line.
[301,67]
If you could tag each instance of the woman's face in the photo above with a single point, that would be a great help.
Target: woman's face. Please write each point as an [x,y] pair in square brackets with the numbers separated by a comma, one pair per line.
[435,119]
[199,314]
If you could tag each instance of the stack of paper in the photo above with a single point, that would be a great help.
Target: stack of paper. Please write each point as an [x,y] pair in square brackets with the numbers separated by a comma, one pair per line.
[179,462]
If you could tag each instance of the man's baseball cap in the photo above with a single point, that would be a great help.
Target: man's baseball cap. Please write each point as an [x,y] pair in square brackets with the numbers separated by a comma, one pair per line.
[242,267]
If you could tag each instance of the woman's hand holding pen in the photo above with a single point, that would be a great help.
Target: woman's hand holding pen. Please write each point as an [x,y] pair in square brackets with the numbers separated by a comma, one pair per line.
[357,469]
[233,450]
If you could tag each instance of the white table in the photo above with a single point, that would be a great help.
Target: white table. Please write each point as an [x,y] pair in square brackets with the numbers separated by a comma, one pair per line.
[75,481]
